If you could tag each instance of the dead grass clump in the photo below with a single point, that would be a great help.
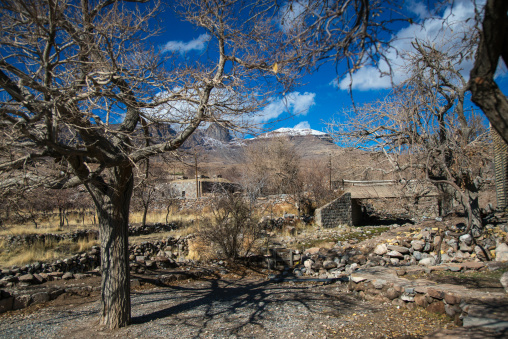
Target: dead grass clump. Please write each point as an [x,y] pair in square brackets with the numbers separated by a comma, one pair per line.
[201,250]
[280,209]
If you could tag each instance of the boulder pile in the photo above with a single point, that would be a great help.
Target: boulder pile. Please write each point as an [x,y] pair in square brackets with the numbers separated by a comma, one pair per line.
[410,247]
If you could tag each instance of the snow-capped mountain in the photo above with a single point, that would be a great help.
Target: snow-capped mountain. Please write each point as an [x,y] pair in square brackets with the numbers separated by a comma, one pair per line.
[285,131]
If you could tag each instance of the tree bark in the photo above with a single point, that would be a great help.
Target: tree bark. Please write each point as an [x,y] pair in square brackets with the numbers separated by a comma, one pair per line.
[493,46]
[112,202]
[145,212]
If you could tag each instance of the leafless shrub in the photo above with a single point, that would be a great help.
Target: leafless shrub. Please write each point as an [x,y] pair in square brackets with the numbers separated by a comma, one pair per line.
[232,229]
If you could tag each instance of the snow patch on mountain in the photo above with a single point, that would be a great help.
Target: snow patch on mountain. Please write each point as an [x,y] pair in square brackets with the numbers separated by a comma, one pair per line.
[285,131]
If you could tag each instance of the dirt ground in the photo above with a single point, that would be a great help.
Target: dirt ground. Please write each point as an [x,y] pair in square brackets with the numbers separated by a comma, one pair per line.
[241,304]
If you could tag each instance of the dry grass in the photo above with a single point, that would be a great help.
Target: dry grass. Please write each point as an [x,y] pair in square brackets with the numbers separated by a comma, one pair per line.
[42,251]
[50,250]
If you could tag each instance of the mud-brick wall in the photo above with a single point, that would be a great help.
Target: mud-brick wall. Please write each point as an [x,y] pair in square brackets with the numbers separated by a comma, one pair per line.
[335,213]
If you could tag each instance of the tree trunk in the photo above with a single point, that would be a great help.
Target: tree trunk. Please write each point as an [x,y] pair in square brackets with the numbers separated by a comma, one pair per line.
[500,169]
[112,202]
[145,212]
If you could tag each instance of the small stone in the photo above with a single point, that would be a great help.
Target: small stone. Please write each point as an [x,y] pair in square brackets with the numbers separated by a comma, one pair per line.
[465,248]
[381,249]
[311,251]
[357,278]
[400,249]
[379,283]
[427,262]
[466,239]
[437,307]
[408,298]
[40,297]
[452,299]
[504,281]
[67,276]
[417,245]
[436,294]
[502,252]
[21,301]
[421,301]
[26,278]
[395,254]
[308,264]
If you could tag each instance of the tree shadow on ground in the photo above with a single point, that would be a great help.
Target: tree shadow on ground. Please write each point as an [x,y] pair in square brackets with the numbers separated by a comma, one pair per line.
[247,302]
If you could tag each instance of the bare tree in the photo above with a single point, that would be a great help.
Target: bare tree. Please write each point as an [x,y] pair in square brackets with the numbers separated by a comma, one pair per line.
[423,129]
[77,79]
[272,167]
[357,32]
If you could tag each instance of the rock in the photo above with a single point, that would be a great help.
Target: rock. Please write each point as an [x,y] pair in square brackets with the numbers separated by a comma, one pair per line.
[437,307]
[395,254]
[40,297]
[6,304]
[39,278]
[421,301]
[452,310]
[26,278]
[357,278]
[328,264]
[473,265]
[452,299]
[379,283]
[417,245]
[381,249]
[436,294]
[466,239]
[437,239]
[308,264]
[55,293]
[408,298]
[504,281]
[427,262]
[502,252]
[21,301]
[400,249]
[465,248]
[391,293]
[67,276]
[311,251]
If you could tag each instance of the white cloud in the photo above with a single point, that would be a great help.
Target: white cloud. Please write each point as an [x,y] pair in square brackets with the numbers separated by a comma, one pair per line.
[197,44]
[294,103]
[445,32]
[291,14]
[302,125]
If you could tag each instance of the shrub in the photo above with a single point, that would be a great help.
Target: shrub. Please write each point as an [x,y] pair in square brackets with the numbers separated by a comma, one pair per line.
[233,230]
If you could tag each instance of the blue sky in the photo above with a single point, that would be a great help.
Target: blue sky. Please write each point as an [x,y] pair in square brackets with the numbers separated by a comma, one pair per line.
[323,95]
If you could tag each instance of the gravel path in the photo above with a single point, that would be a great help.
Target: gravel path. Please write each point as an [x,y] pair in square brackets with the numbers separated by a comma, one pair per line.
[232,308]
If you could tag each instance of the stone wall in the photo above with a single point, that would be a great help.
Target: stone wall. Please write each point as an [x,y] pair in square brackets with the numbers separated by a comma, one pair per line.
[335,213]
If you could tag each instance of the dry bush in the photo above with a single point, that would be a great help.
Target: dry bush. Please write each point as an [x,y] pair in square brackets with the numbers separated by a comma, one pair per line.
[233,229]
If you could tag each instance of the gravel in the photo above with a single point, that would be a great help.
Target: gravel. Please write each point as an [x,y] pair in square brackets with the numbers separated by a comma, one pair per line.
[230,308]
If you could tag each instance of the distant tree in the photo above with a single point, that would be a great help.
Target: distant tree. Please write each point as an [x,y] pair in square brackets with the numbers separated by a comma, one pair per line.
[272,167]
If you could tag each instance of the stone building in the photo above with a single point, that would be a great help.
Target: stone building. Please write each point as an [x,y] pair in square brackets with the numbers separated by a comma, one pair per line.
[339,212]
[200,187]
